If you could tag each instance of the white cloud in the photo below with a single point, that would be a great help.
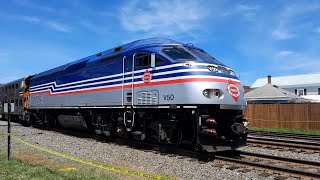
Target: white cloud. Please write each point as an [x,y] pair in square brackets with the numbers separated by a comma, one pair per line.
[96,28]
[299,62]
[30,19]
[309,65]
[281,34]
[244,7]
[57,26]
[162,17]
[34,6]
[48,23]
[248,12]
[295,20]
[317,30]
[284,53]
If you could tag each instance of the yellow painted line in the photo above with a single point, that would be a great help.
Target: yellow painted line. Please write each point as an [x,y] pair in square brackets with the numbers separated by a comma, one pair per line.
[5,134]
[92,163]
[68,169]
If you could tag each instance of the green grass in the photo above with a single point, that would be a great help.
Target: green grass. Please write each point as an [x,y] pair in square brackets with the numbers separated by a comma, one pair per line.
[17,169]
[284,130]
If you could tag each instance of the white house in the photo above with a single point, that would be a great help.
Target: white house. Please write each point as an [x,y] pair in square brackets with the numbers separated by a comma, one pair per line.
[306,86]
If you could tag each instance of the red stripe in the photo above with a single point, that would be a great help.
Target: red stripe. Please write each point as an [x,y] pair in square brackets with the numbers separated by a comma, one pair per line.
[175,81]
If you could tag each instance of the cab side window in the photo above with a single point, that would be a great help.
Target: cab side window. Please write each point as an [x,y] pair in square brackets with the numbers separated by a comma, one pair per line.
[143,60]
[159,61]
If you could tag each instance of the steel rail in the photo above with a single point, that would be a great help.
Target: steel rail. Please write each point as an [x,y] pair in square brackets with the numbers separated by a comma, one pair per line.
[284,143]
[286,135]
[280,133]
[270,167]
[285,159]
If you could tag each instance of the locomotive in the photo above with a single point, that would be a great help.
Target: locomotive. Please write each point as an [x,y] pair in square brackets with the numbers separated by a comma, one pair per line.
[154,90]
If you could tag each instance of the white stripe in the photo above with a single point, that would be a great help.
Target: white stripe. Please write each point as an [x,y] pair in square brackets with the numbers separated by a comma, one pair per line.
[140,82]
[120,74]
[52,84]
[127,78]
[41,85]
[103,77]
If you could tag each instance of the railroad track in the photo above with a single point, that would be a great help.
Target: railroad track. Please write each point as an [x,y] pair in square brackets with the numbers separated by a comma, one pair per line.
[268,163]
[306,137]
[297,146]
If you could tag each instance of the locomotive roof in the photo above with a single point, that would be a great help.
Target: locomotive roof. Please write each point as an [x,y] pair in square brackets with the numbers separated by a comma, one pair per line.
[112,52]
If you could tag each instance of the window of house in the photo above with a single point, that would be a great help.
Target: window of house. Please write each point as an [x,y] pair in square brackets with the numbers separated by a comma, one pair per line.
[301,92]
[318,91]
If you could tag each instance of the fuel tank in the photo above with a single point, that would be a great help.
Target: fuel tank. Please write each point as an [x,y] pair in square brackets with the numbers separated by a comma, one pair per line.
[72,122]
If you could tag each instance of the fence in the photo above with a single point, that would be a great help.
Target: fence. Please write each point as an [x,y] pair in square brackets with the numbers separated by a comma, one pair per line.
[293,116]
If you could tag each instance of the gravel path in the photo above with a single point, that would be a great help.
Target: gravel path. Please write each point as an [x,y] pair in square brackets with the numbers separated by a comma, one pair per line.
[134,159]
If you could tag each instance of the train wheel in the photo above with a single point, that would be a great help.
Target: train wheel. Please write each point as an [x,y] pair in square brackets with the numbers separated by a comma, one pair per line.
[26,120]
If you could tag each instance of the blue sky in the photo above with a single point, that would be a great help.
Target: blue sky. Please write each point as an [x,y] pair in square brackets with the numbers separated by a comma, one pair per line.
[255,38]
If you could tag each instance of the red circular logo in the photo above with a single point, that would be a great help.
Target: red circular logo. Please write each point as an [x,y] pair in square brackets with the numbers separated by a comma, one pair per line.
[146,76]
[233,90]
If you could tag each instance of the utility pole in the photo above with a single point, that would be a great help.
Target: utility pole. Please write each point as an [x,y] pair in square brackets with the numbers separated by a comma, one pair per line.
[9,131]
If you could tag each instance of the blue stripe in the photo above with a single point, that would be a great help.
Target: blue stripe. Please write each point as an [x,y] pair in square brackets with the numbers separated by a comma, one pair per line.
[181,74]
[103,79]
[139,74]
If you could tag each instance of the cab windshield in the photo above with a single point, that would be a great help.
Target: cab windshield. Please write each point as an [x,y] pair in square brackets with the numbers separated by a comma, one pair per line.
[178,54]
[205,57]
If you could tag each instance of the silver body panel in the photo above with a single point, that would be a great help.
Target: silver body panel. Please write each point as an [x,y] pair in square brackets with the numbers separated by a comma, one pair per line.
[183,93]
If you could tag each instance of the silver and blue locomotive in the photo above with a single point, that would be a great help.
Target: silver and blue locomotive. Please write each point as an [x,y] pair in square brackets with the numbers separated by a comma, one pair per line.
[156,90]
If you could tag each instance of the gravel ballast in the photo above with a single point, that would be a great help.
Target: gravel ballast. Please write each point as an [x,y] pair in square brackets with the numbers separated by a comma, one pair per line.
[135,159]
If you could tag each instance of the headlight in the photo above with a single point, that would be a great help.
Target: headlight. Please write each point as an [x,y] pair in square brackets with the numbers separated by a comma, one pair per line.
[212,93]
[206,93]
[213,69]
[232,73]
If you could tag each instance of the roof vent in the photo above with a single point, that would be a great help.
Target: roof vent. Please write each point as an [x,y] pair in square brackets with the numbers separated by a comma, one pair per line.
[117,49]
[99,54]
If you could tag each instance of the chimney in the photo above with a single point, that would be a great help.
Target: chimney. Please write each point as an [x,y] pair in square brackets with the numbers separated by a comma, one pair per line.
[269,79]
